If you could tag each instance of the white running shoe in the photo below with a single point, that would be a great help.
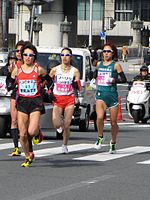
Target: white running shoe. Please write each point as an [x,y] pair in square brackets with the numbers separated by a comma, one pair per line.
[59,130]
[64,149]
[99,142]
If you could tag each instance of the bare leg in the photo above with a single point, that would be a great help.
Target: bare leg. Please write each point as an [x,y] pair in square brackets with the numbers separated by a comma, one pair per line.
[69,110]
[114,125]
[23,127]
[100,111]
[57,112]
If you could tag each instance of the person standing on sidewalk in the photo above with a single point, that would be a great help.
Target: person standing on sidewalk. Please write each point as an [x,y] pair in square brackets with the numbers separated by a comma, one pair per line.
[108,73]
[66,79]
[124,53]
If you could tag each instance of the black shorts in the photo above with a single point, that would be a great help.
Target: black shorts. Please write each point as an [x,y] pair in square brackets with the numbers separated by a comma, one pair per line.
[29,105]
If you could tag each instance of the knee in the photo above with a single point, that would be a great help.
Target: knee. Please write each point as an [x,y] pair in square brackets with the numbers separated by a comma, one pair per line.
[33,131]
[23,136]
[14,122]
[114,124]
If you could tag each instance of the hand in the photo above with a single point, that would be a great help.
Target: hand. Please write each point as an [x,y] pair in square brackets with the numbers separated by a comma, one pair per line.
[93,83]
[110,79]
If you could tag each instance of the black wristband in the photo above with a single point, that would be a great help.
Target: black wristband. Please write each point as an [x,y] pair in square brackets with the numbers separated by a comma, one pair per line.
[122,78]
[48,78]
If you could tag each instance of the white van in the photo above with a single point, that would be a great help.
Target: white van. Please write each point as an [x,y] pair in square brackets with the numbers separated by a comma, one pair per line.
[3,59]
[84,109]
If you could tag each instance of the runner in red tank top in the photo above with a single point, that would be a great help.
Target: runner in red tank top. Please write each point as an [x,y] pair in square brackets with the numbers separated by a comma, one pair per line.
[29,102]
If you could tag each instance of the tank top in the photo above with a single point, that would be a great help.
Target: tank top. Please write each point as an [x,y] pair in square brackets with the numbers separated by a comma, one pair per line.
[104,73]
[63,81]
[28,83]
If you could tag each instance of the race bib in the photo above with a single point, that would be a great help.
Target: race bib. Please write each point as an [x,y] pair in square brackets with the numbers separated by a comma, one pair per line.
[28,87]
[103,79]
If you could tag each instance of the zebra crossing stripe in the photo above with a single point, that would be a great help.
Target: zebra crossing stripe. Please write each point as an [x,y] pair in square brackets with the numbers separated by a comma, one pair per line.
[146,162]
[58,150]
[11,145]
[106,156]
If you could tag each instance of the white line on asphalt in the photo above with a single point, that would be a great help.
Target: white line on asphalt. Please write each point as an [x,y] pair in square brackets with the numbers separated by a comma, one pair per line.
[105,156]
[58,150]
[147,162]
[11,145]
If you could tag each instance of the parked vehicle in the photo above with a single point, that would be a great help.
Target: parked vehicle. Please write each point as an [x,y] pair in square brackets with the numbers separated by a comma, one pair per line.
[5,119]
[138,101]
[86,98]
[3,59]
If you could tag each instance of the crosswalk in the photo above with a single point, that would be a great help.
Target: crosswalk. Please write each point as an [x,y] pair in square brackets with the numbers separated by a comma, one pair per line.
[98,156]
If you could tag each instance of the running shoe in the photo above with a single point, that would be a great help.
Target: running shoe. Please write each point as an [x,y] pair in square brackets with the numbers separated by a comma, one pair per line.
[32,156]
[64,149]
[99,142]
[16,152]
[38,139]
[112,148]
[59,130]
[27,162]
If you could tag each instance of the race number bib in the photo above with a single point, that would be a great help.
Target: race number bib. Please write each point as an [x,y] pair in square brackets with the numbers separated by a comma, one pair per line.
[103,79]
[27,87]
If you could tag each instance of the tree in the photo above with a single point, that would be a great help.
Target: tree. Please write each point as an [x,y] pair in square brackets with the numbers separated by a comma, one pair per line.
[1,26]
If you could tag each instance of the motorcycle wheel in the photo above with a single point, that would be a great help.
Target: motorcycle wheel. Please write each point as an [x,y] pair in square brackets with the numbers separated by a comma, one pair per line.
[136,115]
[84,124]
[3,126]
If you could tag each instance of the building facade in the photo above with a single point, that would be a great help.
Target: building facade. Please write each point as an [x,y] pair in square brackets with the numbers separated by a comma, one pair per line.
[123,11]
[78,13]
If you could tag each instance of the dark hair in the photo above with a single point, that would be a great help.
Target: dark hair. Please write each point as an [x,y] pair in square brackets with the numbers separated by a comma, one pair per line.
[144,68]
[115,51]
[29,45]
[68,49]
[12,55]
[20,43]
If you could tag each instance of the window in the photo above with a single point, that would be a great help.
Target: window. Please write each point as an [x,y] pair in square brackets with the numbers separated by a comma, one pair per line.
[124,10]
[84,9]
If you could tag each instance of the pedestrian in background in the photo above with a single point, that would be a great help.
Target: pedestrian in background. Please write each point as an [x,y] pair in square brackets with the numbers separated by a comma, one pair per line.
[66,78]
[124,53]
[108,74]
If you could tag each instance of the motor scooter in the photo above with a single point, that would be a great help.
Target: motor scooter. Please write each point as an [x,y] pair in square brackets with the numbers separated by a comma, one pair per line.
[138,101]
[5,118]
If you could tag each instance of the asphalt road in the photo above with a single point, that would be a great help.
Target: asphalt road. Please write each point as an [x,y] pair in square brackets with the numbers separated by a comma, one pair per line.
[84,173]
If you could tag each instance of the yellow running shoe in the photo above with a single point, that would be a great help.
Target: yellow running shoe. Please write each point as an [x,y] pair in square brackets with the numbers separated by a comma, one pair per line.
[16,152]
[27,162]
[37,139]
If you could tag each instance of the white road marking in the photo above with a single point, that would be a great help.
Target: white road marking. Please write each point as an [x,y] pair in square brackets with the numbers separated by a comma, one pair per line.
[58,150]
[11,145]
[105,156]
[147,162]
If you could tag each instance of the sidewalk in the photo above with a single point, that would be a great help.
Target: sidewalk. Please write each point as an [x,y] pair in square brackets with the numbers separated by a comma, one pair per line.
[132,65]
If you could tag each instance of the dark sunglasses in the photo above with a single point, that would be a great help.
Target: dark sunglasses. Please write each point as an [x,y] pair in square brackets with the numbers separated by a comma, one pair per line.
[107,51]
[62,54]
[17,50]
[28,54]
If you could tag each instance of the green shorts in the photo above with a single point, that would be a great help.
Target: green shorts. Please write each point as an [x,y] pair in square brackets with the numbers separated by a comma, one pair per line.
[109,98]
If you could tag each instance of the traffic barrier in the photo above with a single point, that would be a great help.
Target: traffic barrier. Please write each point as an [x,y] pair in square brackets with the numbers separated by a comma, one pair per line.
[120,118]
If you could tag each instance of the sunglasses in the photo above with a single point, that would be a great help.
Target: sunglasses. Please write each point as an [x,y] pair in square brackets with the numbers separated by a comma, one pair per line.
[107,51]
[28,54]
[62,54]
[17,50]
